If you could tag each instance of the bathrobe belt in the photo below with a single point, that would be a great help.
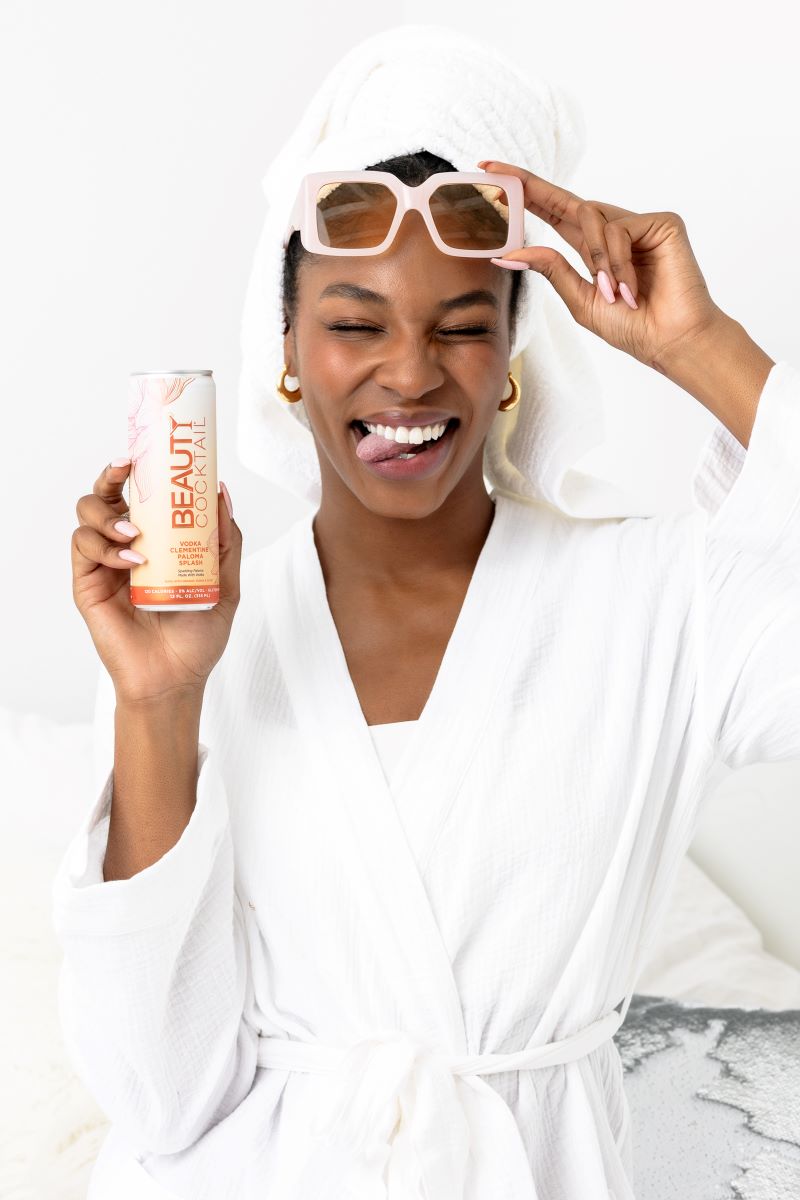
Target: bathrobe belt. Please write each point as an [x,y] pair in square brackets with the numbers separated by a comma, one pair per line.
[396,1112]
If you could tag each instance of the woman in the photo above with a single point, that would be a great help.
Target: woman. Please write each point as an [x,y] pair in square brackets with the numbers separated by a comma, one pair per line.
[289,973]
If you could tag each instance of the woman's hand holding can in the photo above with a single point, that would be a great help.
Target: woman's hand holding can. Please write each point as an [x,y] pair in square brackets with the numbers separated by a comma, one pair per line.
[149,655]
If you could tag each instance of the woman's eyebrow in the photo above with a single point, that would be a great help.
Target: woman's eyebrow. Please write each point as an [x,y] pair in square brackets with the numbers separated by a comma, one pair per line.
[354,291]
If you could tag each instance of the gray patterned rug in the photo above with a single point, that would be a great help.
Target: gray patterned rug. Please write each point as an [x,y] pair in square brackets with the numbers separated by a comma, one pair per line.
[714,1095]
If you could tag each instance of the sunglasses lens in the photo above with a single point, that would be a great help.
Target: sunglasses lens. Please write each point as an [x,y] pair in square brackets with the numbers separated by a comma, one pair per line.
[357,215]
[471,216]
[354,215]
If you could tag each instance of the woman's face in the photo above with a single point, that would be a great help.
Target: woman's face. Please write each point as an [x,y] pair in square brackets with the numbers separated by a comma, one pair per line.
[429,344]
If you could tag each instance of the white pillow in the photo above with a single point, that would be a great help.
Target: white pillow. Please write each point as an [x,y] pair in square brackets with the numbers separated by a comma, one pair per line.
[708,951]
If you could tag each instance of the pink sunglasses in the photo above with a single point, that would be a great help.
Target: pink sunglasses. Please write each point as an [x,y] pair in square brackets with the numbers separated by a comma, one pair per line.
[471,214]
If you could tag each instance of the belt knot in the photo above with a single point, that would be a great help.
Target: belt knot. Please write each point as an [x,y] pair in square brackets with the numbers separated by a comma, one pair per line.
[389,1094]
[401,1118]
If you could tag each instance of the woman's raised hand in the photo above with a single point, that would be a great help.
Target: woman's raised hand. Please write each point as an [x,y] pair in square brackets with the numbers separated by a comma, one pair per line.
[647,253]
[149,655]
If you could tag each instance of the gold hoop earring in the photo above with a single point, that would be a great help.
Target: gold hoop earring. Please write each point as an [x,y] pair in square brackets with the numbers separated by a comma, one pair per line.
[510,401]
[292,395]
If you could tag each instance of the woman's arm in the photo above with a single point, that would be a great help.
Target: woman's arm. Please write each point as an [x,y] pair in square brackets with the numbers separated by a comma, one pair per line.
[725,370]
[155,773]
[155,971]
[748,583]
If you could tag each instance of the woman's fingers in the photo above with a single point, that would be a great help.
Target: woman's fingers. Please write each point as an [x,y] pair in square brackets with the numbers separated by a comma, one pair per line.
[584,225]
[103,536]
[102,508]
[547,200]
[620,258]
[110,482]
[230,553]
[553,204]
[94,511]
[607,252]
[91,549]
[594,249]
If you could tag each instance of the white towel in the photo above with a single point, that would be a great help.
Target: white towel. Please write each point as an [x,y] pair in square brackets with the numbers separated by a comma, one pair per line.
[401,90]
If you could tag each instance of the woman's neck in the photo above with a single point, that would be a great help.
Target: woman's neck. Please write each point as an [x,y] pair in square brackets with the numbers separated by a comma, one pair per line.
[358,543]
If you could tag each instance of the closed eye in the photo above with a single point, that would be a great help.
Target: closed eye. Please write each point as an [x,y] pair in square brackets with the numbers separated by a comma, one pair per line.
[462,329]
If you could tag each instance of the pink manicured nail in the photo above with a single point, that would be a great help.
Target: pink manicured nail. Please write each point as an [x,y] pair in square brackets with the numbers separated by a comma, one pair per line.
[127,528]
[627,295]
[119,462]
[511,263]
[604,283]
[132,556]
[227,498]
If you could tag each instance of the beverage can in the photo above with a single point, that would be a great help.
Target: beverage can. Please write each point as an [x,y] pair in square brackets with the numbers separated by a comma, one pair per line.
[172,485]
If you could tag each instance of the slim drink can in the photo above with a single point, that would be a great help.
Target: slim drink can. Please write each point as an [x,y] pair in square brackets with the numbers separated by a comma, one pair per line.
[172,443]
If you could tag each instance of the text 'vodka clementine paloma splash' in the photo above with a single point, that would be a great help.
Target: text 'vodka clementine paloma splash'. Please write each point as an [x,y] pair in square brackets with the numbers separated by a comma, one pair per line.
[172,442]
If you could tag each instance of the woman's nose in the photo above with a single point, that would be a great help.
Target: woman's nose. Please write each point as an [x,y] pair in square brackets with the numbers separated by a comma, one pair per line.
[409,367]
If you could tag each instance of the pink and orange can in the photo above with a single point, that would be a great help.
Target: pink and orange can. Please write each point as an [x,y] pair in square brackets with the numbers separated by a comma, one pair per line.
[172,443]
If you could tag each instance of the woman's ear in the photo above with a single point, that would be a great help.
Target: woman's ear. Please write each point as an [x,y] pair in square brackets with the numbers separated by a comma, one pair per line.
[288,351]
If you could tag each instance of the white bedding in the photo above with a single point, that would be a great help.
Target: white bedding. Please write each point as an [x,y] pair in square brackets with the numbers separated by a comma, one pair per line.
[708,952]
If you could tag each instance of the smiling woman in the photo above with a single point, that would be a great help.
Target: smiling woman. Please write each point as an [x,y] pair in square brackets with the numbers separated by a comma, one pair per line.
[404,340]
[344,982]
[358,214]
[398,445]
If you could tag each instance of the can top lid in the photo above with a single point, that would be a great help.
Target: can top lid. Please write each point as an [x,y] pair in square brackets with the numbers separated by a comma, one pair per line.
[169,372]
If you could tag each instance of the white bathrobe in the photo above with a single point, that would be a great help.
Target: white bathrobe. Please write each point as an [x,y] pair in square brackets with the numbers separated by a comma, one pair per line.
[319,952]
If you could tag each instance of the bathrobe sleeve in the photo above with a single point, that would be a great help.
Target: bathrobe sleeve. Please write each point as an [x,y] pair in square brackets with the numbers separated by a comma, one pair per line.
[749,581]
[153,979]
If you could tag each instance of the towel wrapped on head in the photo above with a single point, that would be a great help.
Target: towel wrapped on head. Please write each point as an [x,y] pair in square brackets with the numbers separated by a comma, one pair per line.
[428,87]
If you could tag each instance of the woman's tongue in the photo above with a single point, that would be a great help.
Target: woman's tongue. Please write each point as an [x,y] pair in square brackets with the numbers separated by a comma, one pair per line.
[374,448]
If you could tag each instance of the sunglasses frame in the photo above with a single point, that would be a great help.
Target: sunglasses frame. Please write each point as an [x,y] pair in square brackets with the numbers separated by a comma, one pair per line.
[304,214]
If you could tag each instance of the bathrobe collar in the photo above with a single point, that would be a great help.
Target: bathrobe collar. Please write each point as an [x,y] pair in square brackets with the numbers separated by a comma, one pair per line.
[390,854]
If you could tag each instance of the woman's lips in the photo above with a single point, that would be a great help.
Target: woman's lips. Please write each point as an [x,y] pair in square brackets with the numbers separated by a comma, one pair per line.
[383,455]
[375,448]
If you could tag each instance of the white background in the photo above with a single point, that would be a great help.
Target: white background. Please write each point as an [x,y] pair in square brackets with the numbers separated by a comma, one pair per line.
[134,140]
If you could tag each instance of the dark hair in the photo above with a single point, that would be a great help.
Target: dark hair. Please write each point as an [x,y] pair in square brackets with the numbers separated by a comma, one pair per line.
[411,169]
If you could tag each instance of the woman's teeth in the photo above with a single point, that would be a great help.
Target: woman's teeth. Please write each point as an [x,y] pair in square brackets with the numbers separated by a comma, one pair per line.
[377,443]
[415,435]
